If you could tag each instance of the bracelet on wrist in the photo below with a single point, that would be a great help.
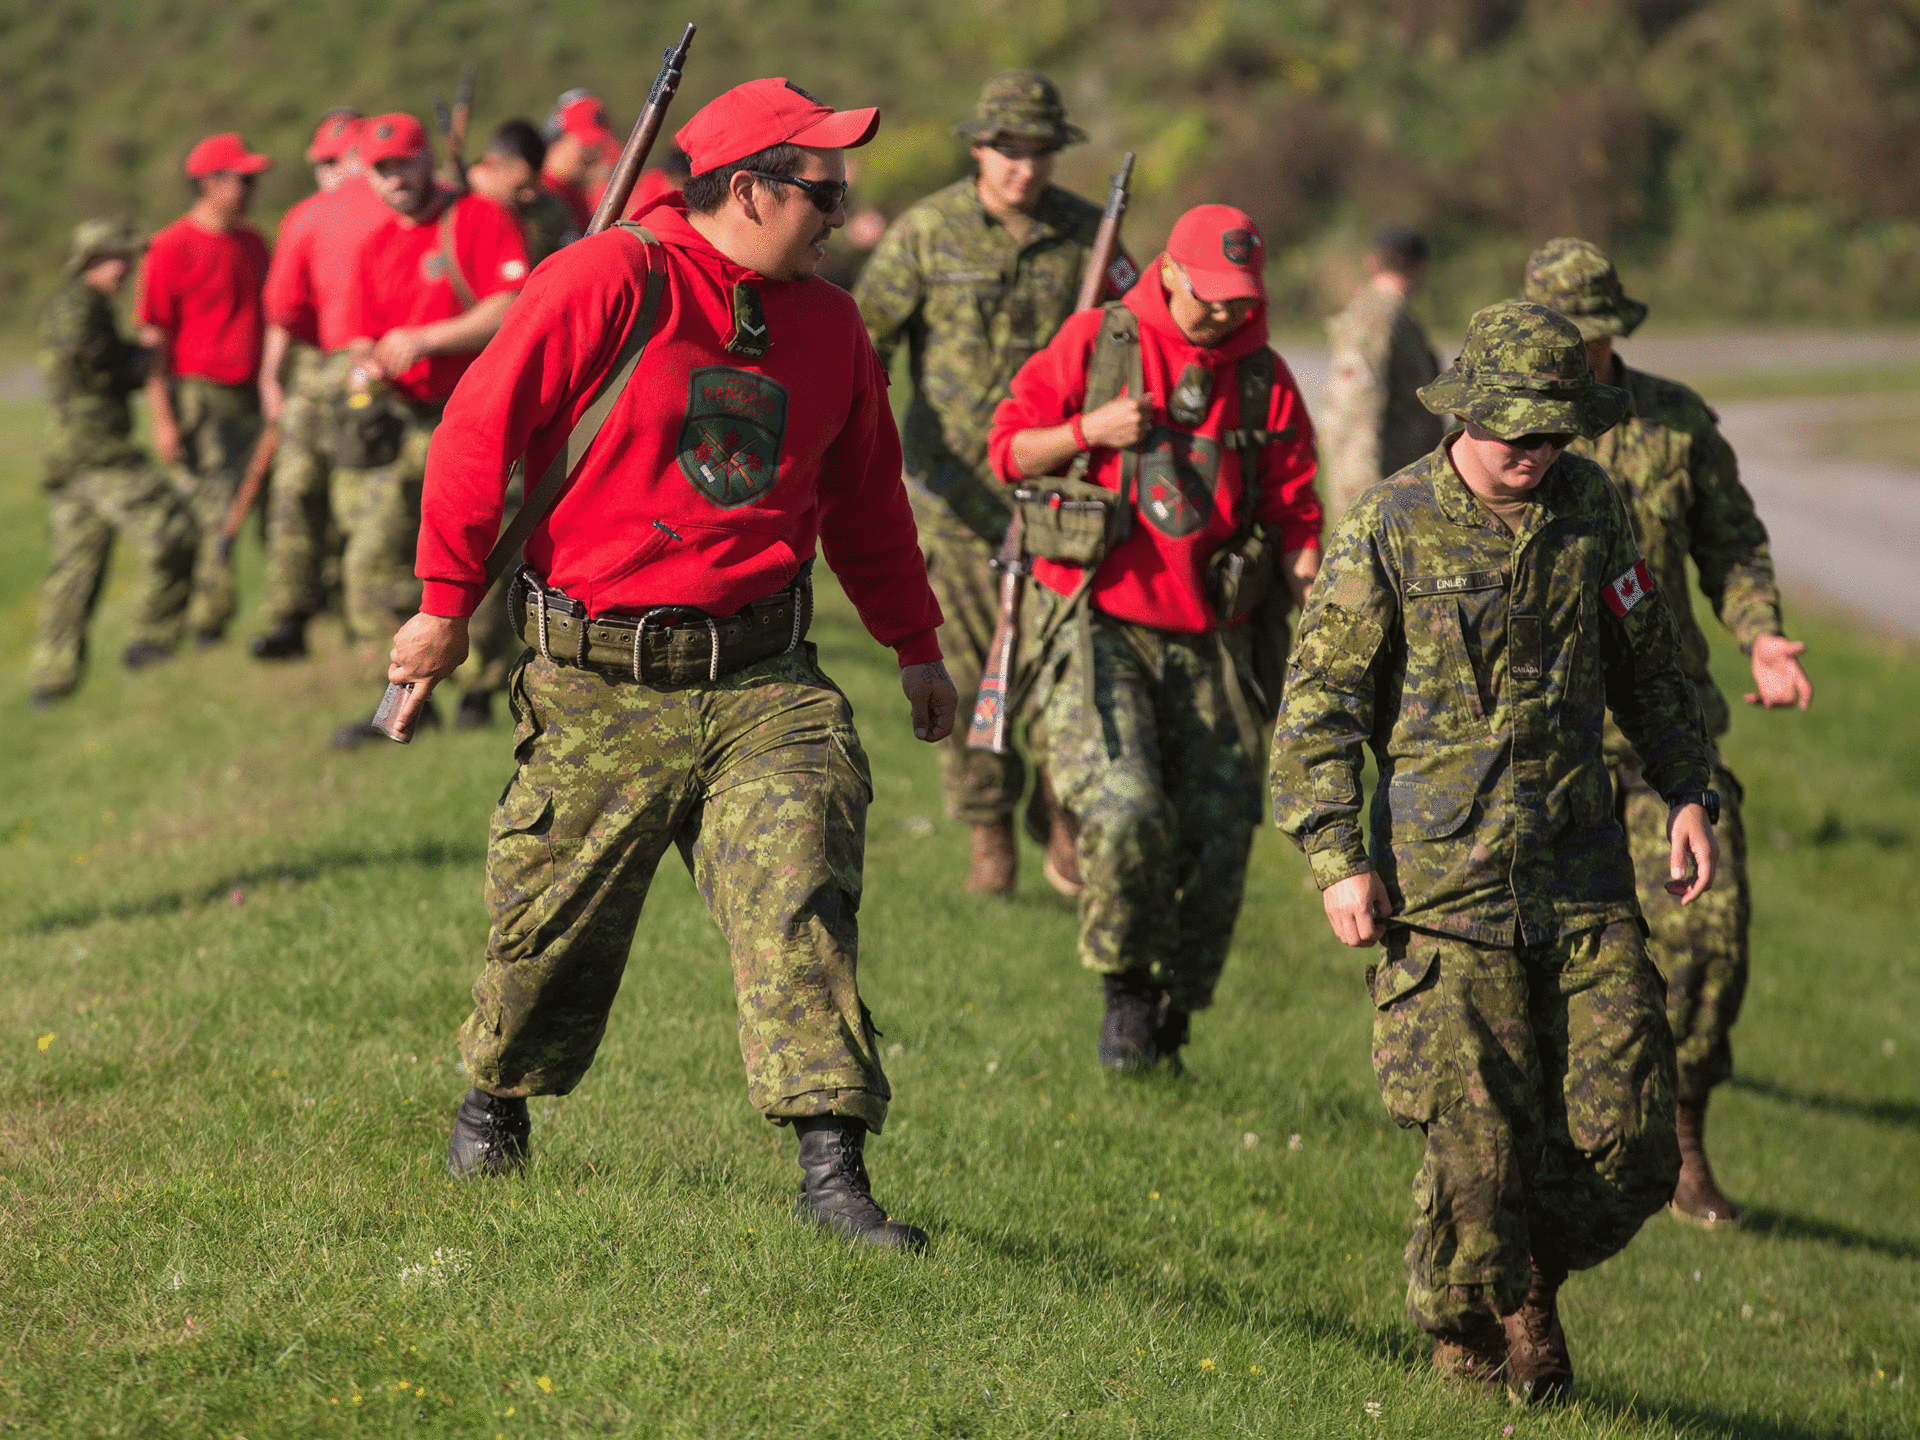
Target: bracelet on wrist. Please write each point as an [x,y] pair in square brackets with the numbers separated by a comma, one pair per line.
[1079,434]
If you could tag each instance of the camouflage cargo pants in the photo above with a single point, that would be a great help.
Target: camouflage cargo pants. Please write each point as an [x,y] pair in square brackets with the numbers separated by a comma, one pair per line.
[84,514]
[981,787]
[1165,791]
[379,510]
[303,542]
[1542,1078]
[760,781]
[1700,948]
[219,425]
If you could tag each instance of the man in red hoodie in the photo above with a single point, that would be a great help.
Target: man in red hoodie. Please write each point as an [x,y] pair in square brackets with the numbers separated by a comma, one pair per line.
[199,315]
[668,697]
[1153,743]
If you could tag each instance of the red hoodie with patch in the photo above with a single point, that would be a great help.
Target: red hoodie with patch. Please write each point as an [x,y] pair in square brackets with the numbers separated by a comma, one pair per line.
[715,474]
[1189,482]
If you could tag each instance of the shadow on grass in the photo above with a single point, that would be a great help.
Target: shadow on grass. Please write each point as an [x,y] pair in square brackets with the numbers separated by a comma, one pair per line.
[1699,1420]
[1885,1112]
[1778,1226]
[301,871]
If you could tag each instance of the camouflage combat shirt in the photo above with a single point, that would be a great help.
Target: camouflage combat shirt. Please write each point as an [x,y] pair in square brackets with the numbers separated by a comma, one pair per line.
[1683,492]
[972,304]
[546,224]
[1479,666]
[90,370]
[1374,423]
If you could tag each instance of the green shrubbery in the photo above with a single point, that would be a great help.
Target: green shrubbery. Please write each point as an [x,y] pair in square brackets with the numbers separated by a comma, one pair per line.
[1745,158]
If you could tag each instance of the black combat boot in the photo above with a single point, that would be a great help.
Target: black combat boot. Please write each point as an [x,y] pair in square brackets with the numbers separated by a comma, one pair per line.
[489,1136]
[475,712]
[834,1193]
[1133,1008]
[356,732]
[142,653]
[1170,1033]
[285,641]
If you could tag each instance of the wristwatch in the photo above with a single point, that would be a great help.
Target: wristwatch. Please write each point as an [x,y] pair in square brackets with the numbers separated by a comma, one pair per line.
[1707,800]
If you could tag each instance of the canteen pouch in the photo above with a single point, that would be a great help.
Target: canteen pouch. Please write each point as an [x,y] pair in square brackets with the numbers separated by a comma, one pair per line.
[1240,576]
[1073,522]
[368,429]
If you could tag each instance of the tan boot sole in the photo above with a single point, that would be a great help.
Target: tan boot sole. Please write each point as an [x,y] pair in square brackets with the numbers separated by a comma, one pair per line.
[1708,1221]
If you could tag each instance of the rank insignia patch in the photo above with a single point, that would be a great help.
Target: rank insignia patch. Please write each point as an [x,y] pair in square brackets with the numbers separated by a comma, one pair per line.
[730,440]
[1629,590]
[749,337]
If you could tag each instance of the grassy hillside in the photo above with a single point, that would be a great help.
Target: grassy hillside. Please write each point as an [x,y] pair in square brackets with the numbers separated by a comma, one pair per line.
[1745,157]
[235,961]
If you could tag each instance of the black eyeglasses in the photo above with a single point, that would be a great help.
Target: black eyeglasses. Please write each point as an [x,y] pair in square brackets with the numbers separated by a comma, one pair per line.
[827,195]
[1022,149]
[1558,439]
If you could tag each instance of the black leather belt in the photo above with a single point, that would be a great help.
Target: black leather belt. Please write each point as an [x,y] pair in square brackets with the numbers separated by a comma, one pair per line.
[669,644]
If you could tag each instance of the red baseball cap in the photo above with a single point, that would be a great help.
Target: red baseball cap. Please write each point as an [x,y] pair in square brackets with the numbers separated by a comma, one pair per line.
[763,113]
[334,138]
[586,120]
[1220,248]
[225,151]
[391,137]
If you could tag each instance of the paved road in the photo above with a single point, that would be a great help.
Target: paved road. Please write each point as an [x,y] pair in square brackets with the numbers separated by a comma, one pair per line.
[1847,529]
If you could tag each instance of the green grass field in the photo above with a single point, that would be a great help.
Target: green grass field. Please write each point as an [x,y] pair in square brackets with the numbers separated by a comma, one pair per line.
[235,961]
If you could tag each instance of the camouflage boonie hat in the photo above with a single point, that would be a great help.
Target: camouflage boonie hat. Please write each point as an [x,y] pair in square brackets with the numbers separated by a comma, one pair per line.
[1021,105]
[1575,278]
[1522,371]
[100,240]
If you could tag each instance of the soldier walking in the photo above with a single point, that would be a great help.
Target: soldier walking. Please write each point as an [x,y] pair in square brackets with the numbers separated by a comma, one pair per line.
[1682,489]
[303,380]
[669,696]
[99,483]
[1142,658]
[1374,423]
[199,314]
[509,175]
[975,279]
[430,288]
[1478,615]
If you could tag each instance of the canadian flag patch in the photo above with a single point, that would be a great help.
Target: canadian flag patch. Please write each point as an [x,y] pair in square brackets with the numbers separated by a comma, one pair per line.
[1629,590]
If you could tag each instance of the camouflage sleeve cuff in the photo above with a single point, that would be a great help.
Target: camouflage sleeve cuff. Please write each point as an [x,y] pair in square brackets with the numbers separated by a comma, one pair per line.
[921,649]
[1332,863]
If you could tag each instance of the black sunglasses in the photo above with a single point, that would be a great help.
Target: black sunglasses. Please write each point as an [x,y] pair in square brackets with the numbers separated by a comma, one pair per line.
[1558,439]
[827,195]
[1022,149]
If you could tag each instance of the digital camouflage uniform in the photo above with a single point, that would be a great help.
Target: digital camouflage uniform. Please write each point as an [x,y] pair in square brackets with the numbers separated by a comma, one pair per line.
[547,224]
[219,426]
[1374,424]
[303,542]
[99,483]
[379,509]
[1682,487]
[760,781]
[972,304]
[1518,1022]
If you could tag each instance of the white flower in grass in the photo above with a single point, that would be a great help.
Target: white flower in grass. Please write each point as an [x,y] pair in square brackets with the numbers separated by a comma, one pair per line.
[1373,1408]
[441,1268]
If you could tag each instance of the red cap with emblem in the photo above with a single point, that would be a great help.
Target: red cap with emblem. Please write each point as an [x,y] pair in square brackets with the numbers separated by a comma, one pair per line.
[1220,248]
[391,137]
[225,151]
[334,138]
[763,113]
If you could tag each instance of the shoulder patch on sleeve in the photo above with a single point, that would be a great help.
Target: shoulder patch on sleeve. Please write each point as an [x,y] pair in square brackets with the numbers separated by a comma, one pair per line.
[1629,590]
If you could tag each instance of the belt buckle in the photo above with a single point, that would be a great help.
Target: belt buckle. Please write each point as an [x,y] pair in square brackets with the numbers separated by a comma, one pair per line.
[713,640]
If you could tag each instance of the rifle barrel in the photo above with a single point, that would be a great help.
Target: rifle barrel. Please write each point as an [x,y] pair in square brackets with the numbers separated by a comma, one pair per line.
[1106,239]
[646,129]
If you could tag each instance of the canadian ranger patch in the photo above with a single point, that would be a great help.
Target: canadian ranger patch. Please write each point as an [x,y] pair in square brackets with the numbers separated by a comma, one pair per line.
[730,440]
[1177,474]
[1629,590]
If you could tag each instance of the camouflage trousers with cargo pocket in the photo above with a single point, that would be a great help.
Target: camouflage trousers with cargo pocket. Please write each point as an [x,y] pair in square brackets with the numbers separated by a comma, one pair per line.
[1163,786]
[219,426]
[85,512]
[1542,1077]
[379,509]
[760,781]
[1700,948]
[303,542]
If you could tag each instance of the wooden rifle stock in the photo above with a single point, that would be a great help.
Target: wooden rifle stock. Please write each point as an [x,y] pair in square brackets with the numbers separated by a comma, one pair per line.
[251,483]
[992,718]
[633,159]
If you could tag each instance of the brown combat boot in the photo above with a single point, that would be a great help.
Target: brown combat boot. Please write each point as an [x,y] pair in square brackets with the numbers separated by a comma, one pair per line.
[994,858]
[1697,1198]
[1539,1369]
[1475,1356]
[1049,824]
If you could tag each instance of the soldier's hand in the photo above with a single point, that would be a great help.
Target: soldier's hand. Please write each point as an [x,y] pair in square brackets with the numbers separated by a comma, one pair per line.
[1301,568]
[1695,853]
[1120,422]
[931,694]
[1357,908]
[1778,680]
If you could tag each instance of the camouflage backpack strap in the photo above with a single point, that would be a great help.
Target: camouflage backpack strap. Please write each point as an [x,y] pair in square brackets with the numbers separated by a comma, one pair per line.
[566,460]
[447,264]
